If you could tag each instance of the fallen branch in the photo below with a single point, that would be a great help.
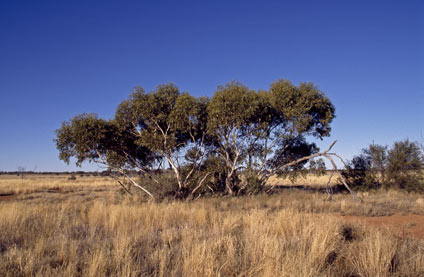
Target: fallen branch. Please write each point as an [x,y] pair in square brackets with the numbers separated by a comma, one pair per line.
[320,154]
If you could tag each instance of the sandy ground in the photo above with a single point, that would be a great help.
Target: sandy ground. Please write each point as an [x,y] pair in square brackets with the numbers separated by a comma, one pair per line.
[399,224]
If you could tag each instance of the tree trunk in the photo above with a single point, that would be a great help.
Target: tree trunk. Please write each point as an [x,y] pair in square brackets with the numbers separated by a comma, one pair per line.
[228,185]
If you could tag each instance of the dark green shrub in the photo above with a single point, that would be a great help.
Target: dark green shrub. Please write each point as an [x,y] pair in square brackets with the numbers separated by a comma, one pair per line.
[358,173]
[401,167]
[405,165]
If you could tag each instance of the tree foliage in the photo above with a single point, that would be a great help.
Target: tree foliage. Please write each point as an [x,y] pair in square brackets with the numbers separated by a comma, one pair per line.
[205,143]
[88,138]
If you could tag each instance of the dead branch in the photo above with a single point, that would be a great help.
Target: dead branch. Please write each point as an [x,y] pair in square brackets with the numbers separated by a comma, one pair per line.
[327,155]
[320,154]
[138,186]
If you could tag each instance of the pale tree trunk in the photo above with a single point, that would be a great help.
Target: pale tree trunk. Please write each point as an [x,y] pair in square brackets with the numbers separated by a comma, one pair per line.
[228,184]
[176,172]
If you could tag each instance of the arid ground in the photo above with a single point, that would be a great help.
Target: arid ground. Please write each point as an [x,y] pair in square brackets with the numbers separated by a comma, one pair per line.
[50,225]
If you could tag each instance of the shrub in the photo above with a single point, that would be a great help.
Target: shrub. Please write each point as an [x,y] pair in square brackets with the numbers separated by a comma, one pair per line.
[358,173]
[404,166]
[379,167]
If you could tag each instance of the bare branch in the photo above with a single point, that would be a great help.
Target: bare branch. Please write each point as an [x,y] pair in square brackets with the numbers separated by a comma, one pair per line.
[120,170]
[200,183]
[341,177]
[334,154]
[303,159]
[138,186]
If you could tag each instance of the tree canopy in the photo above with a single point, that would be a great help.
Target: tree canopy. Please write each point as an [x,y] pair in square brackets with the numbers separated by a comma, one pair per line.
[259,133]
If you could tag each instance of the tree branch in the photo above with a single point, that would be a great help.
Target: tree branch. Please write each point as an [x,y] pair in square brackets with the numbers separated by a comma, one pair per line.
[200,183]
[120,170]
[302,159]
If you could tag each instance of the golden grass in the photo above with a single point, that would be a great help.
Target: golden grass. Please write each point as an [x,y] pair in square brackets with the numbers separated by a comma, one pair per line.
[310,180]
[33,182]
[12,184]
[295,233]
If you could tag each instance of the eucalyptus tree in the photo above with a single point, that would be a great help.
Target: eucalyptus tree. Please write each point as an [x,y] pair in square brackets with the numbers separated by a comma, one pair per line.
[171,125]
[265,132]
[262,133]
[148,131]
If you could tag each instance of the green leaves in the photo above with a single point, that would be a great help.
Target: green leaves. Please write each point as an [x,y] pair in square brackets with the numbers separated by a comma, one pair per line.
[165,119]
[88,138]
[303,109]
[82,138]
[232,106]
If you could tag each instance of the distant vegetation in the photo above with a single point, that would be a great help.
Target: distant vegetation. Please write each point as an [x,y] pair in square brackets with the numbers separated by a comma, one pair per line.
[80,173]
[379,166]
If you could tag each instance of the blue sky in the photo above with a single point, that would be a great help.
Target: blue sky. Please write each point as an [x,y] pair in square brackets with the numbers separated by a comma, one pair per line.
[62,58]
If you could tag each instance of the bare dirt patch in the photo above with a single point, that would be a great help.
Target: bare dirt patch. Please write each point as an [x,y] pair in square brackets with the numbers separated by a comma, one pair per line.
[400,224]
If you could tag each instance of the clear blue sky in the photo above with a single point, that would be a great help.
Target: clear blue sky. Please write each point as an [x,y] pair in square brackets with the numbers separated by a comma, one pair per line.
[62,58]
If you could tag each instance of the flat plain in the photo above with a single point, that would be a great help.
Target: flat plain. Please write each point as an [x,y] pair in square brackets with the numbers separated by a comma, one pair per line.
[51,225]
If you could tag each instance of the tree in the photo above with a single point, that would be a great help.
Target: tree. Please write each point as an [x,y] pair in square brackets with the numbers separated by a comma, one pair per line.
[171,125]
[358,172]
[380,167]
[148,130]
[377,157]
[21,171]
[264,132]
[205,142]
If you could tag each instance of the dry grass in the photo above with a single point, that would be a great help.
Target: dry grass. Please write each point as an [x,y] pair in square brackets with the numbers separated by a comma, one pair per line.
[12,184]
[295,233]
[310,180]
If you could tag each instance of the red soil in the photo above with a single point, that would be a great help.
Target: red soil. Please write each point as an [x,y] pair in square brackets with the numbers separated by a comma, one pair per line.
[4,197]
[410,224]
